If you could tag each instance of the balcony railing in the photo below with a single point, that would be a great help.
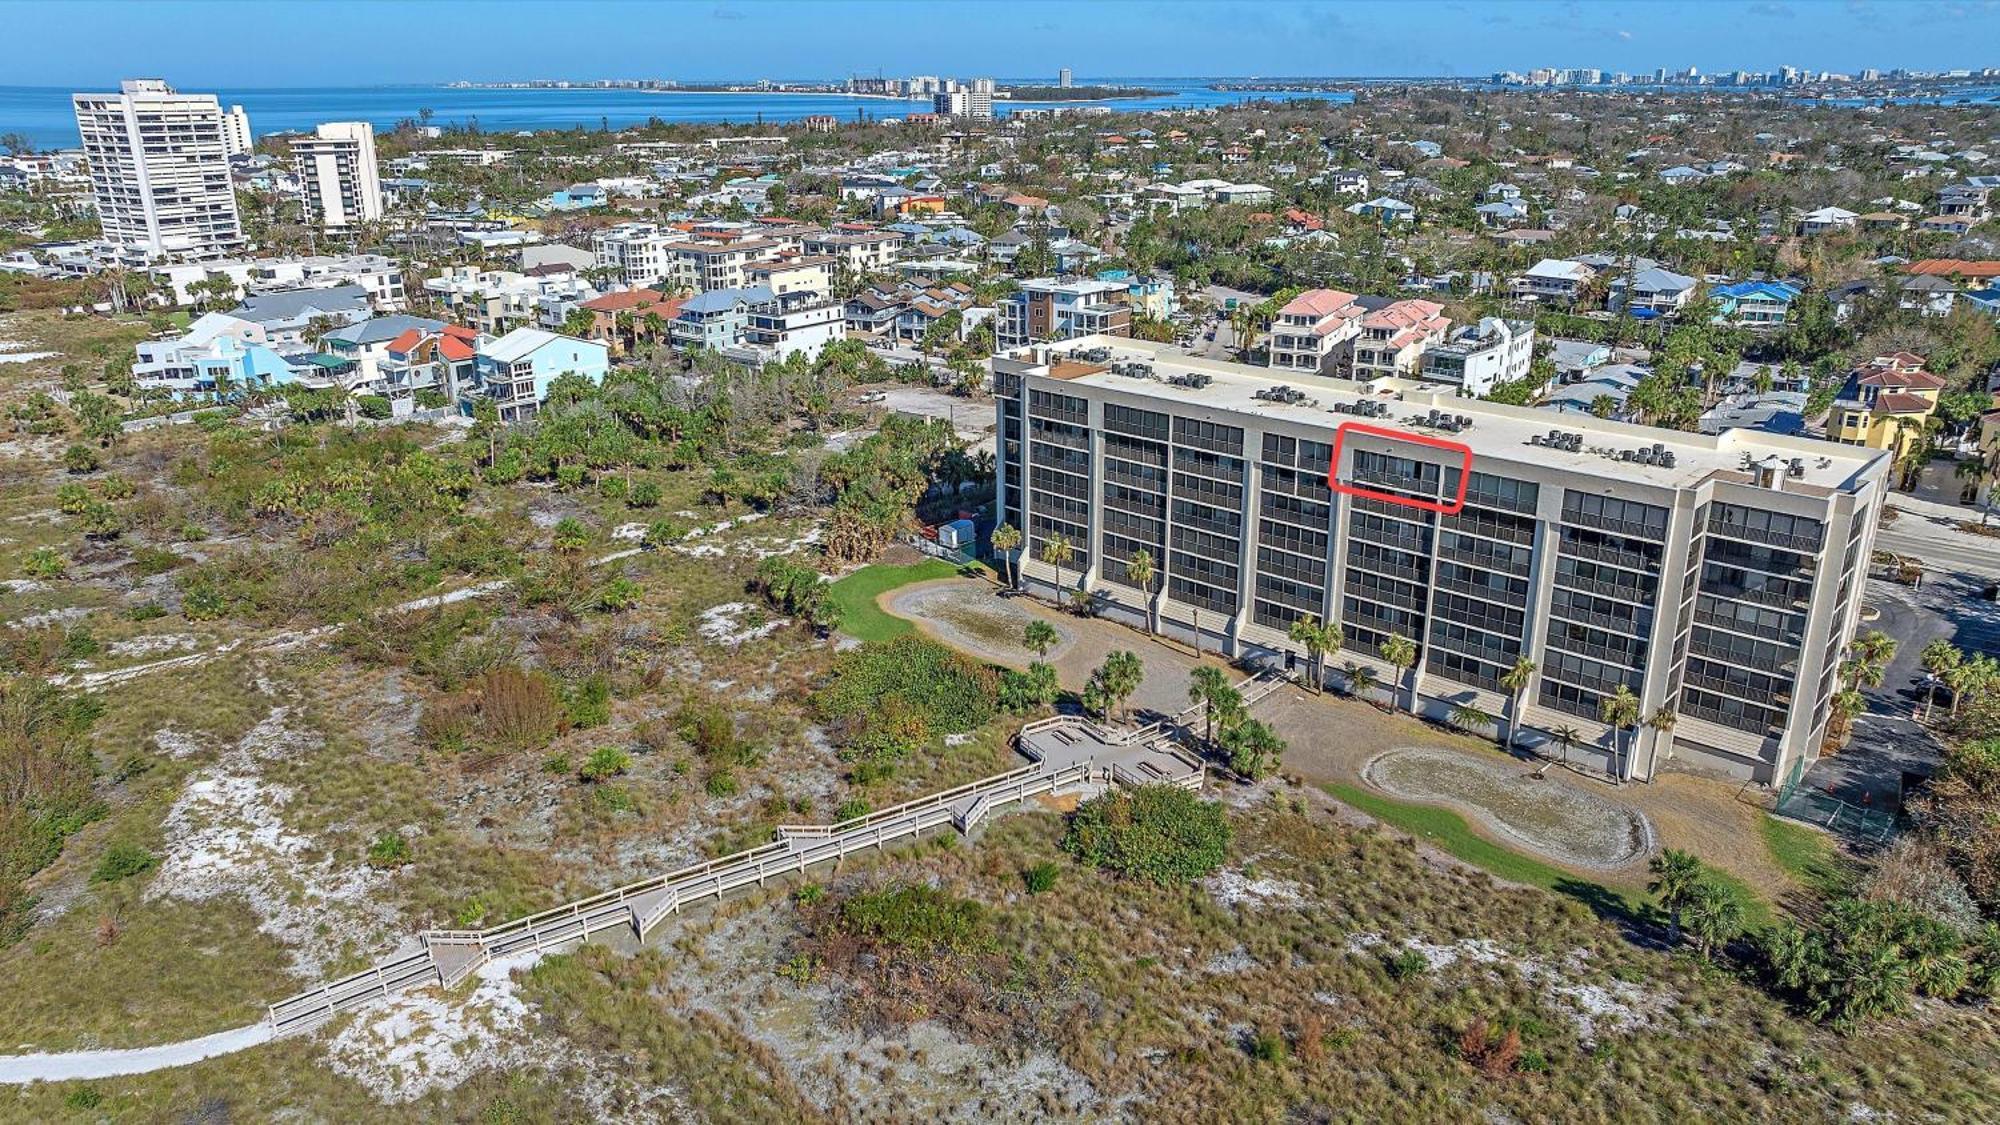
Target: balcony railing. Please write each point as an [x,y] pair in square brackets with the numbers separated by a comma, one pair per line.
[1613,523]
[1810,544]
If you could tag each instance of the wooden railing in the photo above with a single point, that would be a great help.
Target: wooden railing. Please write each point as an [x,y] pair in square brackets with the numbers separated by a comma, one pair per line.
[449,956]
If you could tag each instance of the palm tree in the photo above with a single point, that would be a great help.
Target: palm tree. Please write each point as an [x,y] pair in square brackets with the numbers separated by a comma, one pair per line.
[1056,552]
[1118,677]
[1619,710]
[1006,538]
[1401,653]
[1566,736]
[1939,657]
[1040,636]
[1360,679]
[1868,659]
[1970,675]
[1515,681]
[1676,874]
[1205,686]
[1139,570]
[1469,718]
[1317,640]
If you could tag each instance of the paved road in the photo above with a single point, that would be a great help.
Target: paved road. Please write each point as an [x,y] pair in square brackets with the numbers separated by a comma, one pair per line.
[1936,548]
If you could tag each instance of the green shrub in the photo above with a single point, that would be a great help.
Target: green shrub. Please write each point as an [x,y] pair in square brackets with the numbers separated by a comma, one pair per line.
[389,850]
[1041,878]
[660,533]
[721,783]
[1160,833]
[1406,965]
[150,561]
[917,918]
[146,611]
[809,894]
[1269,1047]
[556,764]
[952,692]
[590,702]
[116,488]
[373,407]
[81,459]
[83,1097]
[613,798]
[605,762]
[122,861]
[44,562]
[645,494]
[851,809]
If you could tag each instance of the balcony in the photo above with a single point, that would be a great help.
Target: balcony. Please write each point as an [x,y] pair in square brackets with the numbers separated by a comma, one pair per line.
[1596,552]
[1614,524]
[1806,544]
[1732,624]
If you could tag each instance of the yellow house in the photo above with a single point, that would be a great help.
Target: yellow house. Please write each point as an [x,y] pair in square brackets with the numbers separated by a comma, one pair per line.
[1886,404]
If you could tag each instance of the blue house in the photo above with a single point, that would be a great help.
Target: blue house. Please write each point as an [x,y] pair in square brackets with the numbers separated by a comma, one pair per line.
[1758,304]
[219,352]
[516,369]
[717,318]
[577,197]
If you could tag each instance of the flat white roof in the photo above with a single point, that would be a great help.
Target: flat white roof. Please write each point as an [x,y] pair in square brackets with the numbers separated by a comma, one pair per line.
[1496,431]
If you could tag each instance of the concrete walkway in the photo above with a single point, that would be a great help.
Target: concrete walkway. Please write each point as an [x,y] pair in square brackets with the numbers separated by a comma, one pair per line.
[18,1070]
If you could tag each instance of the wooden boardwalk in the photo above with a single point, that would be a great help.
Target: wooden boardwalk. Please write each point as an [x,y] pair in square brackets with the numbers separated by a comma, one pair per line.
[1066,754]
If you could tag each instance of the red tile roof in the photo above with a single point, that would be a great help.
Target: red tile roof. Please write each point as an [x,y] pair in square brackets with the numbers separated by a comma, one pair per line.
[629,299]
[1902,404]
[1953,267]
[454,348]
[1317,303]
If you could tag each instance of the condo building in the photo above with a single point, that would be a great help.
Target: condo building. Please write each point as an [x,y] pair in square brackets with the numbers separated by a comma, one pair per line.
[1714,577]
[343,185]
[159,171]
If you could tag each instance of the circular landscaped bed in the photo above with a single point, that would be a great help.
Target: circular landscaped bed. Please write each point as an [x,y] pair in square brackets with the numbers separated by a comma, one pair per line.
[1547,817]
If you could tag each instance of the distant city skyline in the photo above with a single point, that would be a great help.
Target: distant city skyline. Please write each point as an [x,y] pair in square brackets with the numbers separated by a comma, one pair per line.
[94,44]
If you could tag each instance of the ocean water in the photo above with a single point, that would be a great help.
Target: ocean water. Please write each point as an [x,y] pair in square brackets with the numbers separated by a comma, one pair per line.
[44,115]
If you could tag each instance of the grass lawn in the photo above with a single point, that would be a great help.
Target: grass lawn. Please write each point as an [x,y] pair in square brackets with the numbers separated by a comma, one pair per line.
[1806,854]
[855,595]
[1448,831]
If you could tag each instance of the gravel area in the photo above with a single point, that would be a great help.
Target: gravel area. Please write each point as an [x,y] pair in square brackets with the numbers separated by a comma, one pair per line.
[972,618]
[1560,821]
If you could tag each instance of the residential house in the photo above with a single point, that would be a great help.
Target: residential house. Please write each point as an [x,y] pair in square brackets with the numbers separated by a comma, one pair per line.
[1503,213]
[1552,279]
[619,320]
[366,344]
[856,254]
[1393,338]
[515,370]
[1479,357]
[717,318]
[291,317]
[1051,309]
[218,352]
[1310,331]
[1778,412]
[1385,209]
[1827,219]
[640,254]
[1754,304]
[791,323]
[442,359]
[1884,404]
[1659,291]
[808,274]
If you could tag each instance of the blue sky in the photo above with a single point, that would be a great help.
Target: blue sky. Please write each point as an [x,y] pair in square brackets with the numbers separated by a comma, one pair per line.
[319,42]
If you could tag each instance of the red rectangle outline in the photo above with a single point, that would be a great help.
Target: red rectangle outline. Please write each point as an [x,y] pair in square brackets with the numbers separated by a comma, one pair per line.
[1464,471]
